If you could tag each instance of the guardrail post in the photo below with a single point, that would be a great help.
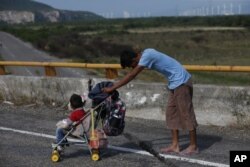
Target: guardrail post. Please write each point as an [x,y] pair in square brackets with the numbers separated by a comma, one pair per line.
[50,71]
[2,70]
[111,73]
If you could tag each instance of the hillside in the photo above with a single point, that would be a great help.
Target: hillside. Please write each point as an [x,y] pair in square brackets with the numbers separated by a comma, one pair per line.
[28,11]
[23,5]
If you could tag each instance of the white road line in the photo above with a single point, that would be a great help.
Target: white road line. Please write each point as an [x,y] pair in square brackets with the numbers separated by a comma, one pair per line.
[196,161]
[201,162]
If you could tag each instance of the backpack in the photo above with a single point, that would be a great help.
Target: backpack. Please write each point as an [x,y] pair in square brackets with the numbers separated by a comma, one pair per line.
[114,122]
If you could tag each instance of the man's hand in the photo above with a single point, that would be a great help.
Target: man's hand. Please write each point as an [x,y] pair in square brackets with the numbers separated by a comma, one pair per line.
[125,80]
[107,90]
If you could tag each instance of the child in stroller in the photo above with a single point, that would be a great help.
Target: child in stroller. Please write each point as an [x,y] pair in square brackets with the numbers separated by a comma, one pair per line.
[76,104]
[78,125]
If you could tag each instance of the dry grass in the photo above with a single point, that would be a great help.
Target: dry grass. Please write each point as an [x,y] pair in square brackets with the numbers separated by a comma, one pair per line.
[202,47]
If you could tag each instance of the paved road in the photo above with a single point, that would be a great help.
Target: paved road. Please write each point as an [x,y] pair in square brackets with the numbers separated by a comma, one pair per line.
[27,132]
[14,49]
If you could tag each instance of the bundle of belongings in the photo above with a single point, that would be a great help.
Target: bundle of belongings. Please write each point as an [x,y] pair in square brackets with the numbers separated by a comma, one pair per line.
[112,111]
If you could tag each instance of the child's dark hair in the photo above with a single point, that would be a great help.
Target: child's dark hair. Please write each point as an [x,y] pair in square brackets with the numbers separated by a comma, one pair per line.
[126,58]
[76,101]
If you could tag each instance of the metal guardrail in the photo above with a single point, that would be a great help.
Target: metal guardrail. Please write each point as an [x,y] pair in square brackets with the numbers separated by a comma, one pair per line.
[111,69]
[217,68]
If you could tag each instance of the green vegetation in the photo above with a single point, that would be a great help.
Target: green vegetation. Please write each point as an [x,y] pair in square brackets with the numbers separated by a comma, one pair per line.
[191,40]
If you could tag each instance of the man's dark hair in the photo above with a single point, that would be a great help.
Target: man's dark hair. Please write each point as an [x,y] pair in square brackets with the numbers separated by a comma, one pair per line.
[126,58]
[76,101]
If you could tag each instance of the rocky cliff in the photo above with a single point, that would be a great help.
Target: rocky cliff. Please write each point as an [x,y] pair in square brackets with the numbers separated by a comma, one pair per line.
[28,11]
[16,17]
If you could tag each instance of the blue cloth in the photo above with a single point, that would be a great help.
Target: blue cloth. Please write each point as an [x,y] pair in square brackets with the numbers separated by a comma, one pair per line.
[60,135]
[174,72]
[97,94]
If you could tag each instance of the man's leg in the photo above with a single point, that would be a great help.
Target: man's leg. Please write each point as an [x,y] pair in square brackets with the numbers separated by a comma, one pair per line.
[174,147]
[193,139]
[192,148]
[172,121]
[184,105]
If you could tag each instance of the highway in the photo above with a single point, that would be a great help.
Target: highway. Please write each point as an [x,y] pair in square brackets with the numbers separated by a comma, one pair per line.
[27,132]
[14,49]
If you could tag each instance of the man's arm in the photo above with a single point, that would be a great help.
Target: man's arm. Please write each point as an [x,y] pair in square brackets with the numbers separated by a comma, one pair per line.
[130,76]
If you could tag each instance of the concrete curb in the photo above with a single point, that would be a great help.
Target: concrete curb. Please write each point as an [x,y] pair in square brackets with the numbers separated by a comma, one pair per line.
[214,105]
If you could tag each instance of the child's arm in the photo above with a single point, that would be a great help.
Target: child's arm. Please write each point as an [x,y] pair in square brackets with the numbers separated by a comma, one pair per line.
[64,123]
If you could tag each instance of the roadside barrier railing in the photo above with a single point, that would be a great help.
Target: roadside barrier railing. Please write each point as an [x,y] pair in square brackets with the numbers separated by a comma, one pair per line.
[111,69]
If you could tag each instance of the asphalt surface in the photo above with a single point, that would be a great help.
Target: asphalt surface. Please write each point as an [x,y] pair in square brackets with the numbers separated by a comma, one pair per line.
[14,49]
[23,142]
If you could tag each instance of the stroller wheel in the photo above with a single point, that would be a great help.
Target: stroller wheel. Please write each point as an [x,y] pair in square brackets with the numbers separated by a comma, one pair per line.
[95,156]
[55,157]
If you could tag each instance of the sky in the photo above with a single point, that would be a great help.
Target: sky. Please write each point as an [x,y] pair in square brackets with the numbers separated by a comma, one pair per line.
[148,8]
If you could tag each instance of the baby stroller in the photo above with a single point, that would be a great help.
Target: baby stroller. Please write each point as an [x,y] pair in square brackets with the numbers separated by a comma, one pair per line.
[98,115]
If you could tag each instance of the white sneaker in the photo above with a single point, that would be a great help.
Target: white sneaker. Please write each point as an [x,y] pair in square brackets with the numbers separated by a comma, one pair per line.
[60,148]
